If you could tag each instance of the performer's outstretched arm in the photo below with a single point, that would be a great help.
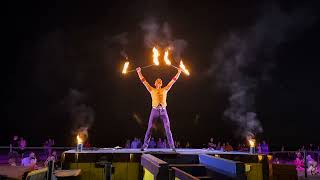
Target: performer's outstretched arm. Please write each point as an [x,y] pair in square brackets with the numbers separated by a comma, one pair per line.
[143,80]
[174,79]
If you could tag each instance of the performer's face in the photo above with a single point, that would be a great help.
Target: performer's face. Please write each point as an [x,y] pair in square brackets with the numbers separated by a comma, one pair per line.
[158,83]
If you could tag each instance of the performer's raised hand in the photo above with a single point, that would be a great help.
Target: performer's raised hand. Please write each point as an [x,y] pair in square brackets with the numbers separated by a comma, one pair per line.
[138,69]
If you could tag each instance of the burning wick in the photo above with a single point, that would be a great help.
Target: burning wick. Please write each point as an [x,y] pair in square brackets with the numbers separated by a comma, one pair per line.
[183,67]
[251,142]
[125,67]
[252,145]
[166,58]
[79,143]
[155,56]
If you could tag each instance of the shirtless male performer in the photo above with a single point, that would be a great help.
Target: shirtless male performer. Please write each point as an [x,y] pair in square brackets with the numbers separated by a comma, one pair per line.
[159,103]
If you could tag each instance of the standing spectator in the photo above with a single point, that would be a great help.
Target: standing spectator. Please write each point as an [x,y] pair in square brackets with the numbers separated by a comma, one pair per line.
[22,146]
[311,147]
[50,144]
[152,143]
[13,154]
[128,143]
[211,144]
[45,147]
[282,148]
[228,147]
[264,147]
[30,161]
[14,143]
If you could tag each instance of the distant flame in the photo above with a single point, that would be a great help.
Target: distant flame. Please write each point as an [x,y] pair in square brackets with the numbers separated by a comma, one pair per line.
[155,56]
[125,67]
[251,142]
[79,140]
[166,57]
[183,67]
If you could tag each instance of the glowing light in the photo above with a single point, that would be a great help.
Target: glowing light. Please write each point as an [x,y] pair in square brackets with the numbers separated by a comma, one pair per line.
[155,56]
[269,157]
[251,142]
[79,140]
[184,69]
[125,67]
[260,157]
[166,58]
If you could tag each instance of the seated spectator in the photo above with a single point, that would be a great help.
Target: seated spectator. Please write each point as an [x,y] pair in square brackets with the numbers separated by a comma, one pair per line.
[178,145]
[264,147]
[228,147]
[259,151]
[134,143]
[12,161]
[14,144]
[52,157]
[139,142]
[22,146]
[211,144]
[312,165]
[128,144]
[165,143]
[299,161]
[160,143]
[188,145]
[223,147]
[29,161]
[218,146]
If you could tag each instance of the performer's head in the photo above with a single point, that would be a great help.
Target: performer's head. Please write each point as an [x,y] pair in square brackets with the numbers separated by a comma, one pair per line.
[158,83]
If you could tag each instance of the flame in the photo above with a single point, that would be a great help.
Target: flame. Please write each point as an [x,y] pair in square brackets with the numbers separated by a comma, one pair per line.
[166,57]
[251,142]
[79,140]
[183,67]
[155,56]
[125,67]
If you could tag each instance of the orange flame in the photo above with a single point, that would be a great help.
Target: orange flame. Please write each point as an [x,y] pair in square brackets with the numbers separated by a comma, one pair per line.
[183,67]
[155,56]
[125,67]
[166,57]
[79,140]
[251,142]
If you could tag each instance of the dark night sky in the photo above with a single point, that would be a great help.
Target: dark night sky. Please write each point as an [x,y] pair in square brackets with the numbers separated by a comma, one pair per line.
[57,46]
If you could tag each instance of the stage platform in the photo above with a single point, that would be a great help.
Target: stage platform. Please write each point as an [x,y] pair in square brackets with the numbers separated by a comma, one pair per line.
[183,163]
[155,151]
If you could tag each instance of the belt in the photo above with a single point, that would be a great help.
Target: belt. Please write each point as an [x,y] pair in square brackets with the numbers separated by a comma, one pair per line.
[159,107]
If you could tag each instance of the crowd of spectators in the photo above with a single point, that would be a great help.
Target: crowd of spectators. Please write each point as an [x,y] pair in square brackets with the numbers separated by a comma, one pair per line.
[136,143]
[18,156]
